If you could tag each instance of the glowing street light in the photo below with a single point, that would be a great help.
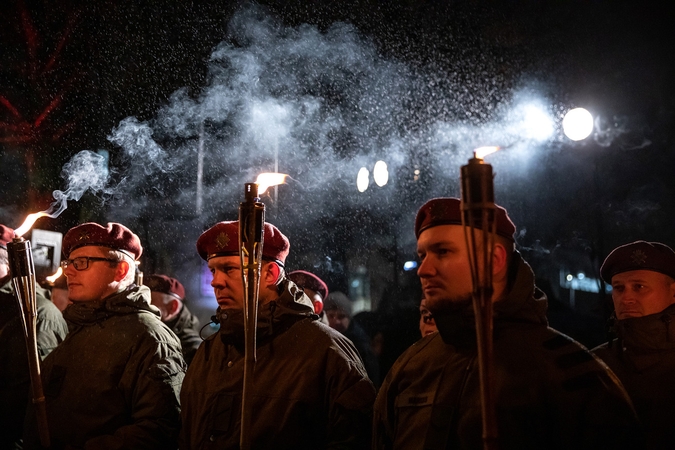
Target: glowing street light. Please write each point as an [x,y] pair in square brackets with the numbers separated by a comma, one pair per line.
[362,179]
[380,173]
[577,124]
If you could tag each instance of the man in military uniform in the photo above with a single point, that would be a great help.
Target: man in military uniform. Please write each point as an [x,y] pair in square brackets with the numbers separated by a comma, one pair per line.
[550,392]
[642,275]
[114,382]
[14,372]
[311,390]
[168,295]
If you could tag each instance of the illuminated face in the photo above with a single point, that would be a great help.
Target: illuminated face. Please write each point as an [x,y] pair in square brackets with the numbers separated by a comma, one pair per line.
[638,293]
[444,267]
[227,283]
[338,320]
[95,282]
[427,323]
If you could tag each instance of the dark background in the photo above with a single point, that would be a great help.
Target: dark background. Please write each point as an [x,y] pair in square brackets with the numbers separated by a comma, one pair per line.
[71,71]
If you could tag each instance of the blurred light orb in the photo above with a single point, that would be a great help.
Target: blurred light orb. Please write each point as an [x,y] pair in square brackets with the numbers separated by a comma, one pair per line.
[363,179]
[577,124]
[409,265]
[380,173]
[569,277]
[537,123]
[581,275]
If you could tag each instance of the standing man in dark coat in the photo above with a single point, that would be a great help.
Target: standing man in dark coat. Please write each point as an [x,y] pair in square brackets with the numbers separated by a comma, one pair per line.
[642,275]
[550,392]
[14,372]
[114,382]
[310,388]
[338,308]
[168,295]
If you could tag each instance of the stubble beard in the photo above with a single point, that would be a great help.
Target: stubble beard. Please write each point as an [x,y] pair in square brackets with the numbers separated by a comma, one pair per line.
[447,305]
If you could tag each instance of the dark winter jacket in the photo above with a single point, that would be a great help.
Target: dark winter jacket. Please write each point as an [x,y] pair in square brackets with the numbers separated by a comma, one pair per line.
[311,390]
[14,372]
[186,327]
[551,393]
[361,341]
[114,382]
[643,357]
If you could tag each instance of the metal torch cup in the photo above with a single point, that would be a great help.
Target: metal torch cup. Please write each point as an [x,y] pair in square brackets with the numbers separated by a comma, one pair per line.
[251,226]
[478,219]
[23,279]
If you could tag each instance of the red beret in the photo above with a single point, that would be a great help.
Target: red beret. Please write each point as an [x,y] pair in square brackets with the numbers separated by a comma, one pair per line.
[6,236]
[222,239]
[166,285]
[308,280]
[115,236]
[447,211]
[639,255]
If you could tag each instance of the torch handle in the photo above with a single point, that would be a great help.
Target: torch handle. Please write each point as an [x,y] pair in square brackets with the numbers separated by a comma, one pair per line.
[25,291]
[251,226]
[36,381]
[478,213]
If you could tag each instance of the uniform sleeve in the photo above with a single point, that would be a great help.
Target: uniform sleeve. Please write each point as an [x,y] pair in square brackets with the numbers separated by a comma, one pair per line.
[51,327]
[151,384]
[351,396]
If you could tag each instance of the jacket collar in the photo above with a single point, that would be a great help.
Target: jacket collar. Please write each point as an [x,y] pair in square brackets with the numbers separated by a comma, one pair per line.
[645,340]
[523,302]
[274,317]
[132,300]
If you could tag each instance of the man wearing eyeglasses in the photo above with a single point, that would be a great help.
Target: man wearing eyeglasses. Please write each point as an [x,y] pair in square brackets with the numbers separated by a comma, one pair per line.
[14,373]
[114,382]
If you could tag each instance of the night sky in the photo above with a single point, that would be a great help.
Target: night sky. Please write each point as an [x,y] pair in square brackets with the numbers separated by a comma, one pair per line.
[322,88]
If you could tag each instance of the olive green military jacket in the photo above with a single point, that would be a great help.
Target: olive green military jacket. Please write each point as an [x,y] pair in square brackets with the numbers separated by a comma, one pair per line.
[14,373]
[114,382]
[551,393]
[311,390]
[186,327]
[643,357]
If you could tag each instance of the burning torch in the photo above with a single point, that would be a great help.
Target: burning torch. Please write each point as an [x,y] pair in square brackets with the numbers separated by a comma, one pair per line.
[251,234]
[478,213]
[23,278]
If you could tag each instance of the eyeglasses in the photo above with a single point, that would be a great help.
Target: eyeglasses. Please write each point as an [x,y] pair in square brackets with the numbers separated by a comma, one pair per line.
[82,262]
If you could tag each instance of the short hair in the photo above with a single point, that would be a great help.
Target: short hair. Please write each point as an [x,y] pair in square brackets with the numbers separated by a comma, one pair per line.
[120,256]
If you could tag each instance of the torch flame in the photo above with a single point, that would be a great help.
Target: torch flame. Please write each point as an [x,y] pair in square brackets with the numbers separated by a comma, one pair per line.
[28,223]
[266,180]
[482,152]
[57,274]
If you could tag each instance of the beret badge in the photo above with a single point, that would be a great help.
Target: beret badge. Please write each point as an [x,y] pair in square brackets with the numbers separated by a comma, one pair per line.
[638,257]
[222,240]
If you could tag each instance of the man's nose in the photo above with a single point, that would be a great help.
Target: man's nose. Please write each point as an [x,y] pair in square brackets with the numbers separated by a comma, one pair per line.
[425,269]
[69,270]
[218,280]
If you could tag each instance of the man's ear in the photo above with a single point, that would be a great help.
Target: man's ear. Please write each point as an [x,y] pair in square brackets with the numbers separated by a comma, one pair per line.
[173,307]
[499,258]
[271,275]
[318,307]
[122,270]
